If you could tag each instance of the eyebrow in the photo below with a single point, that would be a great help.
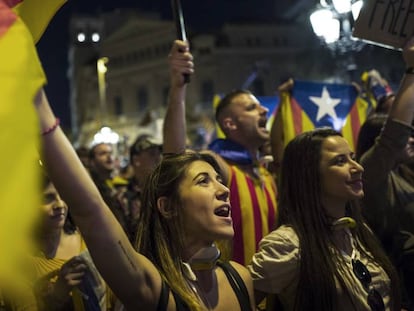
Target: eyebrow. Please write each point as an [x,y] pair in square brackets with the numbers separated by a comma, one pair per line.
[252,103]
[218,176]
[200,174]
[339,155]
[49,192]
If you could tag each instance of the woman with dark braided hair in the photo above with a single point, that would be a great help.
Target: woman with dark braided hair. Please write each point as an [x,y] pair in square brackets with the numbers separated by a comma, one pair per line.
[323,256]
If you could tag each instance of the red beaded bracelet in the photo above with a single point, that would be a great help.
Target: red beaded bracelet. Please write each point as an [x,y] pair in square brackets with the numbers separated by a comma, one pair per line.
[52,128]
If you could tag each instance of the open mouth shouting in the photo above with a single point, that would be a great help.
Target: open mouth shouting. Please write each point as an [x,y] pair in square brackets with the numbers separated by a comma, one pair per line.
[223,211]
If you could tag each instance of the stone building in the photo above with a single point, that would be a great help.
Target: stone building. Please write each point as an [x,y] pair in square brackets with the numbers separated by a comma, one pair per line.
[243,54]
[239,55]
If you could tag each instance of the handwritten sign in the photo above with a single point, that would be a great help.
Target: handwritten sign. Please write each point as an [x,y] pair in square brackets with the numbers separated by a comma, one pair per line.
[386,22]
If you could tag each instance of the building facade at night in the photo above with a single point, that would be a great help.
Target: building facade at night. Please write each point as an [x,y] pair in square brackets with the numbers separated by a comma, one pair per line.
[130,96]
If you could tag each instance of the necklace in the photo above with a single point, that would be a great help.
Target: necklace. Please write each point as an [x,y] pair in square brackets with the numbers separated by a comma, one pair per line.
[344,222]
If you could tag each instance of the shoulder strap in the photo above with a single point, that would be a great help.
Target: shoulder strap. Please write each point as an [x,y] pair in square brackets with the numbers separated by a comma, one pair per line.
[237,284]
[180,305]
[163,300]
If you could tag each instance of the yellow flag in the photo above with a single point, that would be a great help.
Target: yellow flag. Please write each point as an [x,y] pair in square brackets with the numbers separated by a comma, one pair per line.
[36,14]
[216,101]
[21,76]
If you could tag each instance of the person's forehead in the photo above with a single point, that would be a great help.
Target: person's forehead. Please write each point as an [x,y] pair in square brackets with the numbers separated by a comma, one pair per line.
[150,151]
[335,144]
[244,99]
[49,188]
[198,167]
[103,147]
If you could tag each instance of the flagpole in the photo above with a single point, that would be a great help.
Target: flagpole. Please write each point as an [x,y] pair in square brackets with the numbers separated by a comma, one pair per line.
[179,26]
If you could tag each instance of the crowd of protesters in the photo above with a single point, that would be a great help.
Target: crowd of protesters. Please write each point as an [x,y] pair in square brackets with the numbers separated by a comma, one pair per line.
[215,229]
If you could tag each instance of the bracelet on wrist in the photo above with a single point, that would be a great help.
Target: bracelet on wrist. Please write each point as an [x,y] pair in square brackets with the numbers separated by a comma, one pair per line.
[52,128]
[410,71]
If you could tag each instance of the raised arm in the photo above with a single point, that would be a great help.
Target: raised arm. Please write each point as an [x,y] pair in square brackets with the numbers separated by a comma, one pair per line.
[387,152]
[131,276]
[403,106]
[384,155]
[175,129]
[276,132]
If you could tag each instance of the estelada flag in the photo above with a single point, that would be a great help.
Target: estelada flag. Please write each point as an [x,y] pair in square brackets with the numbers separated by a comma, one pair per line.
[311,105]
[21,77]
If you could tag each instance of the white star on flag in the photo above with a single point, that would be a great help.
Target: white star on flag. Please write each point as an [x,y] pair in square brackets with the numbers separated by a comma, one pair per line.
[326,104]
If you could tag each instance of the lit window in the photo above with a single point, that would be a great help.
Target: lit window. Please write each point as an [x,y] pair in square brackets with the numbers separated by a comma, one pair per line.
[96,37]
[81,37]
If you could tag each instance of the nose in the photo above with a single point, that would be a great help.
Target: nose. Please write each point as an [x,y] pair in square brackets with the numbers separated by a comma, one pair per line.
[223,192]
[59,203]
[263,110]
[356,167]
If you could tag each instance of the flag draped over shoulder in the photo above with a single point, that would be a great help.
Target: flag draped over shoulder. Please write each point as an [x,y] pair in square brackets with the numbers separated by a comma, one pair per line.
[21,76]
[310,105]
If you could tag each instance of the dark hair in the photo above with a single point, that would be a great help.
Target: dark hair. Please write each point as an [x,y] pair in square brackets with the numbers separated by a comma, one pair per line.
[69,226]
[368,132]
[141,143]
[82,151]
[300,174]
[93,148]
[226,101]
[161,238]
[302,209]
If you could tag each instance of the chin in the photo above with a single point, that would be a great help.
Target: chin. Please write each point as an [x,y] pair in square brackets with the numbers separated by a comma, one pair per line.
[357,196]
[265,135]
[225,235]
[409,161]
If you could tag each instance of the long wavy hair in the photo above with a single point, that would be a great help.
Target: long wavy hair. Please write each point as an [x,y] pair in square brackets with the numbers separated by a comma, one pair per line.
[161,238]
[301,208]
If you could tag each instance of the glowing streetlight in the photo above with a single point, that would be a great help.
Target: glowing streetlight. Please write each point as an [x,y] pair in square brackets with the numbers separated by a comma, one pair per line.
[101,70]
[81,37]
[95,37]
[105,135]
[332,22]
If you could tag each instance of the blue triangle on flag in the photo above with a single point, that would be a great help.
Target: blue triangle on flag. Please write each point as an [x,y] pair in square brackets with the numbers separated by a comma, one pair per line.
[326,104]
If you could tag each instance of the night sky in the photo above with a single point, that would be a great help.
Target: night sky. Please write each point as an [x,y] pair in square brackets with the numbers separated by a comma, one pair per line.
[200,15]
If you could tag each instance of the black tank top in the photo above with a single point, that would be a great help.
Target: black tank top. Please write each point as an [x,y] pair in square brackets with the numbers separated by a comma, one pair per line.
[235,281]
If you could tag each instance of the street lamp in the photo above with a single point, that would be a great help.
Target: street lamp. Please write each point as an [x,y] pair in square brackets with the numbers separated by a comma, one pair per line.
[105,134]
[101,70]
[332,22]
